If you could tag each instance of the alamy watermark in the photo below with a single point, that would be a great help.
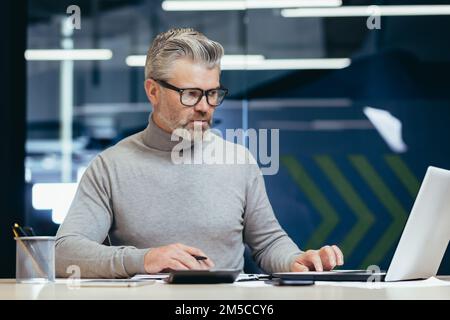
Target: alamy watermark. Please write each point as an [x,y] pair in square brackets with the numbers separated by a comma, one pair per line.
[74,280]
[210,147]
[374,19]
[75,16]
[374,281]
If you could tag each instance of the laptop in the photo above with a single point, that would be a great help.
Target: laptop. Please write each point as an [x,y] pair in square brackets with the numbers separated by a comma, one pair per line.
[422,245]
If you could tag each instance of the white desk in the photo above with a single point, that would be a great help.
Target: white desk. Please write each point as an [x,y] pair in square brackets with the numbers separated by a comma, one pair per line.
[247,291]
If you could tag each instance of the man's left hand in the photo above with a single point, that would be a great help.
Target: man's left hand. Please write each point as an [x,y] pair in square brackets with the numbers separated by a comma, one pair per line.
[324,259]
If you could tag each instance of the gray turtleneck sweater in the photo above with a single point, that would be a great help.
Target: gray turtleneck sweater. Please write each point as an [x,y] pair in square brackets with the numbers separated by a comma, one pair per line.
[136,194]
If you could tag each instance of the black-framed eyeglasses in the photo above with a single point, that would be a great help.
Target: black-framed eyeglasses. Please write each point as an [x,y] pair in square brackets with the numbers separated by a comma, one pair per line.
[190,97]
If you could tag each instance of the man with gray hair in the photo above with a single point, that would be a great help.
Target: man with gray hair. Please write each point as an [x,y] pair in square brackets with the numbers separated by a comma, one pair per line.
[158,215]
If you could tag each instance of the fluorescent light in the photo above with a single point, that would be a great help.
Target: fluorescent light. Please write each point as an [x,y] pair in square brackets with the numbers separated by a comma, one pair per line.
[274,4]
[139,60]
[54,196]
[202,5]
[289,64]
[135,61]
[258,62]
[176,5]
[365,11]
[68,54]
[230,62]
[242,57]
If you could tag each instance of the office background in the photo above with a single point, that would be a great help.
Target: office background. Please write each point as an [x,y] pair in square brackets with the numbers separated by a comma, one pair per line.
[362,112]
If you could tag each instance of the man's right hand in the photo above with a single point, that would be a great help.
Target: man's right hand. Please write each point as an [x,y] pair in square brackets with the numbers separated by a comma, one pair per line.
[176,257]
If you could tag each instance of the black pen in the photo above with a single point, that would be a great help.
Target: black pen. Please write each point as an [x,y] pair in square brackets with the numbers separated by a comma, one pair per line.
[29,231]
[200,257]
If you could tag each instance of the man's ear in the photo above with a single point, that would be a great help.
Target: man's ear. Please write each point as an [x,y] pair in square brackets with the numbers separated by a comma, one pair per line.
[152,91]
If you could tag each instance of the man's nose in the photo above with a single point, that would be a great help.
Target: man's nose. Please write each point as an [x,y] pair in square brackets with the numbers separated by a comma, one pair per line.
[202,105]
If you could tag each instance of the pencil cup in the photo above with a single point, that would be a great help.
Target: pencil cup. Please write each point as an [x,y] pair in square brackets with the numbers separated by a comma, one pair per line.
[35,259]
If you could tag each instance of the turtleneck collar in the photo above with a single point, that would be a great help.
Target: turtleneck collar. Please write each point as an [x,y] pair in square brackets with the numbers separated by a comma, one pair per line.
[156,138]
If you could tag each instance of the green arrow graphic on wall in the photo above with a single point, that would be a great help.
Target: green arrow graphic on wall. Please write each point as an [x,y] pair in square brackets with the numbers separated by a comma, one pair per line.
[392,205]
[403,173]
[329,216]
[365,218]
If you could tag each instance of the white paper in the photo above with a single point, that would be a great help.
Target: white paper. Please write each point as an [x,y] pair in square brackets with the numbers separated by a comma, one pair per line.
[250,276]
[104,282]
[430,282]
[150,276]
[313,273]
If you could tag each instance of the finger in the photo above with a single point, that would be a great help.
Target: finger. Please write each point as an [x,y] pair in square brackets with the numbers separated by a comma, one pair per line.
[314,258]
[204,265]
[339,254]
[298,267]
[191,250]
[196,252]
[176,265]
[186,259]
[328,257]
[209,263]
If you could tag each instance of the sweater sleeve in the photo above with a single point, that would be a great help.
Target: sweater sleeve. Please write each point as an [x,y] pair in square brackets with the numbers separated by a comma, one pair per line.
[79,240]
[271,247]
